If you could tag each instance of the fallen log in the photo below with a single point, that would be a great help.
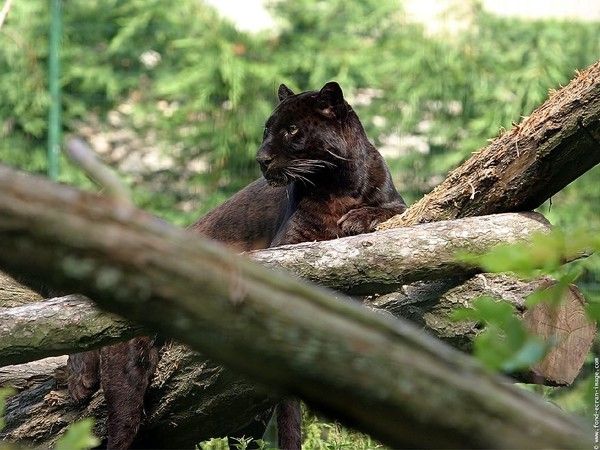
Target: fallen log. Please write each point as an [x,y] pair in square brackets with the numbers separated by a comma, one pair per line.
[184,377]
[280,331]
[73,324]
[382,262]
[525,166]
[57,327]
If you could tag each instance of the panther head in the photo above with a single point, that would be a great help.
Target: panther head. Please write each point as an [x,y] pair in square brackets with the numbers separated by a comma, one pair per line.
[304,137]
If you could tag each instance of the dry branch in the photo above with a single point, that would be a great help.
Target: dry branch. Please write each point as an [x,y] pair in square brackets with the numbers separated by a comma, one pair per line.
[525,166]
[381,262]
[82,155]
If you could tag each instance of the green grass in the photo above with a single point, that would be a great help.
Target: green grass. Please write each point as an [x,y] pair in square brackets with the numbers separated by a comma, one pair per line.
[317,433]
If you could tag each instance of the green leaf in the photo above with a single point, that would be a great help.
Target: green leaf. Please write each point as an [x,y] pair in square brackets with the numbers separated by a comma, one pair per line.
[79,436]
[504,344]
[531,352]
[5,392]
[593,311]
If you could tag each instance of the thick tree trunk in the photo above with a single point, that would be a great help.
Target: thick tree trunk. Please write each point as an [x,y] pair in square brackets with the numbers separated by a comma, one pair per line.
[284,333]
[210,401]
[525,166]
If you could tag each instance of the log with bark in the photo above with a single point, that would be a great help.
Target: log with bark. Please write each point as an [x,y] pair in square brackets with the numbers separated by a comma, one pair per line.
[525,166]
[432,304]
[56,327]
[367,264]
[284,333]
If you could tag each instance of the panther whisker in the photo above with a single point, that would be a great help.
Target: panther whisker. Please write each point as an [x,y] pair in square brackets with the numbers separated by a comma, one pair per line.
[336,156]
[312,164]
[304,179]
[296,176]
[302,168]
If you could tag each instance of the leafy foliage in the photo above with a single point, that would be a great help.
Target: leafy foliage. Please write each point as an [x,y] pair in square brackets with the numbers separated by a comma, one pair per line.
[79,436]
[504,344]
[206,88]
[5,392]
[317,434]
[547,253]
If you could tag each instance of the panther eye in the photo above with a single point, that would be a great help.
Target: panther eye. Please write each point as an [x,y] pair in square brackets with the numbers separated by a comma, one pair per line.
[265,132]
[292,129]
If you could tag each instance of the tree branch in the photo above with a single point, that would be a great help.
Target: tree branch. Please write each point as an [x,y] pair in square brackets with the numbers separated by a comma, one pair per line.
[525,166]
[56,327]
[189,387]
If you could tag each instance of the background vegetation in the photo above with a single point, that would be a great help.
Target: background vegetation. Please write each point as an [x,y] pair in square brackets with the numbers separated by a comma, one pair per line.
[176,97]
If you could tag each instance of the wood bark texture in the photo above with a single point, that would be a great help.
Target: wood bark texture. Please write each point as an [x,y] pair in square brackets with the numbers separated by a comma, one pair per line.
[526,165]
[382,262]
[56,327]
[13,293]
[372,263]
[284,333]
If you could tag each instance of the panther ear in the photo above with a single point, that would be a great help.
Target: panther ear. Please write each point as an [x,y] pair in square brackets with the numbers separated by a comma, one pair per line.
[331,101]
[284,92]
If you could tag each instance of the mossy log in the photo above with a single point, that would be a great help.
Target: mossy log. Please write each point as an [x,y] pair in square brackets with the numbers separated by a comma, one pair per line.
[381,375]
[431,305]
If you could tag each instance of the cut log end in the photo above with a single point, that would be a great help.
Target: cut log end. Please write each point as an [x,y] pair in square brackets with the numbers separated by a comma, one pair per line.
[571,332]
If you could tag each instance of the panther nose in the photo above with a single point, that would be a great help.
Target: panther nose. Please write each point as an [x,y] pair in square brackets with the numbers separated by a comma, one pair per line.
[264,161]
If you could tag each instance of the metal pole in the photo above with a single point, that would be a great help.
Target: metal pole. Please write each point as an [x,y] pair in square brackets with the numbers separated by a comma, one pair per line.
[54,116]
